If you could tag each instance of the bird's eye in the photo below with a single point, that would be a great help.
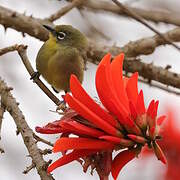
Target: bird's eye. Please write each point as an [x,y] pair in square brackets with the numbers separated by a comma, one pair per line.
[61,35]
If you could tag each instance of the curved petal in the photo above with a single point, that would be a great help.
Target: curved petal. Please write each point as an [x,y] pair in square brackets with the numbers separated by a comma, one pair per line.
[140,104]
[117,79]
[43,130]
[79,93]
[116,140]
[63,144]
[150,108]
[159,153]
[90,116]
[120,161]
[132,88]
[107,95]
[85,130]
[132,110]
[76,154]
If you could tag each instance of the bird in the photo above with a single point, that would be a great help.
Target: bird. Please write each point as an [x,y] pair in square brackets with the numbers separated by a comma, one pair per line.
[63,54]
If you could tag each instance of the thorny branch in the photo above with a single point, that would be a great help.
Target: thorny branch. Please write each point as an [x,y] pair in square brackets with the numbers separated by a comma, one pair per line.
[150,15]
[139,19]
[21,49]
[24,58]
[10,104]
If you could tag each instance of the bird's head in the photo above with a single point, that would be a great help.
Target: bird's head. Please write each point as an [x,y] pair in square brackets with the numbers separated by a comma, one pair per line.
[66,35]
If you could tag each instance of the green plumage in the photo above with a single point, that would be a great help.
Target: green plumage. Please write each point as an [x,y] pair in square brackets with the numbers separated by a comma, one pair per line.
[63,54]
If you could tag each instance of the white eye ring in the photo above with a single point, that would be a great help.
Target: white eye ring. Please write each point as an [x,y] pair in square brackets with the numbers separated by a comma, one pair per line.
[61,35]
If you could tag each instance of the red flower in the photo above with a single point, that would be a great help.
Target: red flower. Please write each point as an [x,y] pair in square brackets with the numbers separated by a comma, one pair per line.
[123,124]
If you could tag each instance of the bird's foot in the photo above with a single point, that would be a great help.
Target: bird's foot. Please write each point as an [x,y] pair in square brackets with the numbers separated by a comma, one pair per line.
[35,75]
[62,107]
[55,90]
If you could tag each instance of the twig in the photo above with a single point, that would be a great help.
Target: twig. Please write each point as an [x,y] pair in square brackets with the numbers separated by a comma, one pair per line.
[64,10]
[21,22]
[24,58]
[11,106]
[147,71]
[21,49]
[139,19]
[8,49]
[29,168]
[46,151]
[92,29]
[150,15]
[39,139]
[160,86]
[148,45]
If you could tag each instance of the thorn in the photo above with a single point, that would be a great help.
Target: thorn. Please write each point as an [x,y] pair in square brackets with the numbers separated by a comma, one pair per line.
[168,67]
[23,34]
[5,29]
[13,14]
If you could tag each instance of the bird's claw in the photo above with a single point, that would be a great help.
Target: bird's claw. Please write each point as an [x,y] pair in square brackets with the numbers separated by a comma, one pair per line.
[35,75]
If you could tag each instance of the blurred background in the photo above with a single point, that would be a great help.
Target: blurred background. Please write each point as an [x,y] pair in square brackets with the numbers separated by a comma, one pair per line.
[101,27]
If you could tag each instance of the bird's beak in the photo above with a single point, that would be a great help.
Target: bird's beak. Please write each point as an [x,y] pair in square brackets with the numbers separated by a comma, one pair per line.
[50,29]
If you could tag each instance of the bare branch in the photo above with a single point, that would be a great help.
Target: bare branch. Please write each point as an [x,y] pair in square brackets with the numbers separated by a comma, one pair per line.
[160,86]
[10,104]
[39,139]
[152,15]
[139,19]
[147,71]
[64,10]
[27,64]
[22,23]
[148,45]
[21,49]
[8,49]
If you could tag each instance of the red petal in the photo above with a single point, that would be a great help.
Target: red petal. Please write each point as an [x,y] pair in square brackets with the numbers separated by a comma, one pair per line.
[63,144]
[76,154]
[79,93]
[133,110]
[120,141]
[159,153]
[71,129]
[138,139]
[150,108]
[140,104]
[154,113]
[44,130]
[90,116]
[108,96]
[125,80]
[160,120]
[132,88]
[120,161]
[106,59]
[117,79]
[86,130]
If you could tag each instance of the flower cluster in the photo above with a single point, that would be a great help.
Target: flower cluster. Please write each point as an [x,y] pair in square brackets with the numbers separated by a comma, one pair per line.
[122,123]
